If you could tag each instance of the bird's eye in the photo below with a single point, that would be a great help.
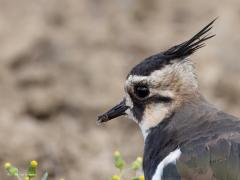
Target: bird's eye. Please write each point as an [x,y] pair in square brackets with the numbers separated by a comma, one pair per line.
[141,91]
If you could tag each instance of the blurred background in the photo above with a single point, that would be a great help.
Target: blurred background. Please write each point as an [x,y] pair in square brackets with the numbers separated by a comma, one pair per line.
[63,62]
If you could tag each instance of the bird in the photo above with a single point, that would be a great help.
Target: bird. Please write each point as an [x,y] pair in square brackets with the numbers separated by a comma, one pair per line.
[185,136]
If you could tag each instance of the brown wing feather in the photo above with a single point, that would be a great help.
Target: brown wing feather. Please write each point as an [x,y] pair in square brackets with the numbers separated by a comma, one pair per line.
[219,159]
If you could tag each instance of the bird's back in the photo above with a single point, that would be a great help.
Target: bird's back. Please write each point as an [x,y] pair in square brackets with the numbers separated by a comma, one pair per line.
[213,151]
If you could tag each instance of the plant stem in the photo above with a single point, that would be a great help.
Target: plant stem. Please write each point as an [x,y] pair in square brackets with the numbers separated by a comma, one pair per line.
[121,174]
[18,177]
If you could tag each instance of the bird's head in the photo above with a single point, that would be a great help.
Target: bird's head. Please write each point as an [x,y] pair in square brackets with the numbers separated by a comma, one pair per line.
[160,84]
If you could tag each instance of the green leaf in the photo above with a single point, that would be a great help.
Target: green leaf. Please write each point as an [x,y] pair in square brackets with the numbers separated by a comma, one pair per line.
[119,163]
[137,164]
[31,172]
[45,176]
[13,171]
[134,178]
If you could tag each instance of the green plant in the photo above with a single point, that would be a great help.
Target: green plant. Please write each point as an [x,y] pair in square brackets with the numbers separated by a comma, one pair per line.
[120,164]
[30,173]
[123,169]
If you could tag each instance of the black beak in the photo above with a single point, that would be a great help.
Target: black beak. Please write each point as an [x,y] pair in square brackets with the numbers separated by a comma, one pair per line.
[116,111]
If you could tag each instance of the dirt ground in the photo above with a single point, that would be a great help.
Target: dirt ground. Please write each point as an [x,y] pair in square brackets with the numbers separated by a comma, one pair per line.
[63,62]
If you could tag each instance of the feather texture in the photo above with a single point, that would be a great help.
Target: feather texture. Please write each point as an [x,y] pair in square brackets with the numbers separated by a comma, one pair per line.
[175,53]
[189,47]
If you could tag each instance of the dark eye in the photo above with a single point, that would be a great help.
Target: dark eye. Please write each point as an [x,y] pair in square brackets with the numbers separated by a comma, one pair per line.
[141,91]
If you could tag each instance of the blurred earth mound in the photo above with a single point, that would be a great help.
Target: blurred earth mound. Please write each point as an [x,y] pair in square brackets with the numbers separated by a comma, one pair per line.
[63,62]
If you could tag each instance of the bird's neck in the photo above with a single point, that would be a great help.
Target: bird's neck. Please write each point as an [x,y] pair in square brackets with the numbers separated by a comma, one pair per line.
[154,119]
[176,129]
[171,133]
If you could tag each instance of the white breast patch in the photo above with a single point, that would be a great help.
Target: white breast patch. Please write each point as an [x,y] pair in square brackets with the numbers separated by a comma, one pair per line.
[170,158]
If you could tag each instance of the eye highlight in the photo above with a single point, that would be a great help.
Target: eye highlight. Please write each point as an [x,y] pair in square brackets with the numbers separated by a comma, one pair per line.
[141,91]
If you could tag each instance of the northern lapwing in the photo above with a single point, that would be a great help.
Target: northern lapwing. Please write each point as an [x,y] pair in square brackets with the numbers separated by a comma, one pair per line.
[185,137]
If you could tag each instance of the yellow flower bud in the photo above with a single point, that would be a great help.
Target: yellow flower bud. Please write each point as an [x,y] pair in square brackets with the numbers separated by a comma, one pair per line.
[140,159]
[27,178]
[141,177]
[7,165]
[117,154]
[115,177]
[34,164]
[62,179]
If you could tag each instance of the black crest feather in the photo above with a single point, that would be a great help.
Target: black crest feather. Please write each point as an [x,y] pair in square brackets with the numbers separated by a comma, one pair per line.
[178,52]
[189,47]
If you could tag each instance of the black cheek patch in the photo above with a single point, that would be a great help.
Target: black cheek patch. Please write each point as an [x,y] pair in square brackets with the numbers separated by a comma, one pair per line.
[140,105]
[137,111]
[161,99]
[138,108]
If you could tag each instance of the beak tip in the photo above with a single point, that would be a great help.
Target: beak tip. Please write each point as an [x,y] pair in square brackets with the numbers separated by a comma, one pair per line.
[116,111]
[101,119]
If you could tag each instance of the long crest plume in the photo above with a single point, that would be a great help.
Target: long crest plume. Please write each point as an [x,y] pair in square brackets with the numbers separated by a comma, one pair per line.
[178,52]
[189,47]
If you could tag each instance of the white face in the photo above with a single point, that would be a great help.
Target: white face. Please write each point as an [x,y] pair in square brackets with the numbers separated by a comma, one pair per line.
[153,98]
